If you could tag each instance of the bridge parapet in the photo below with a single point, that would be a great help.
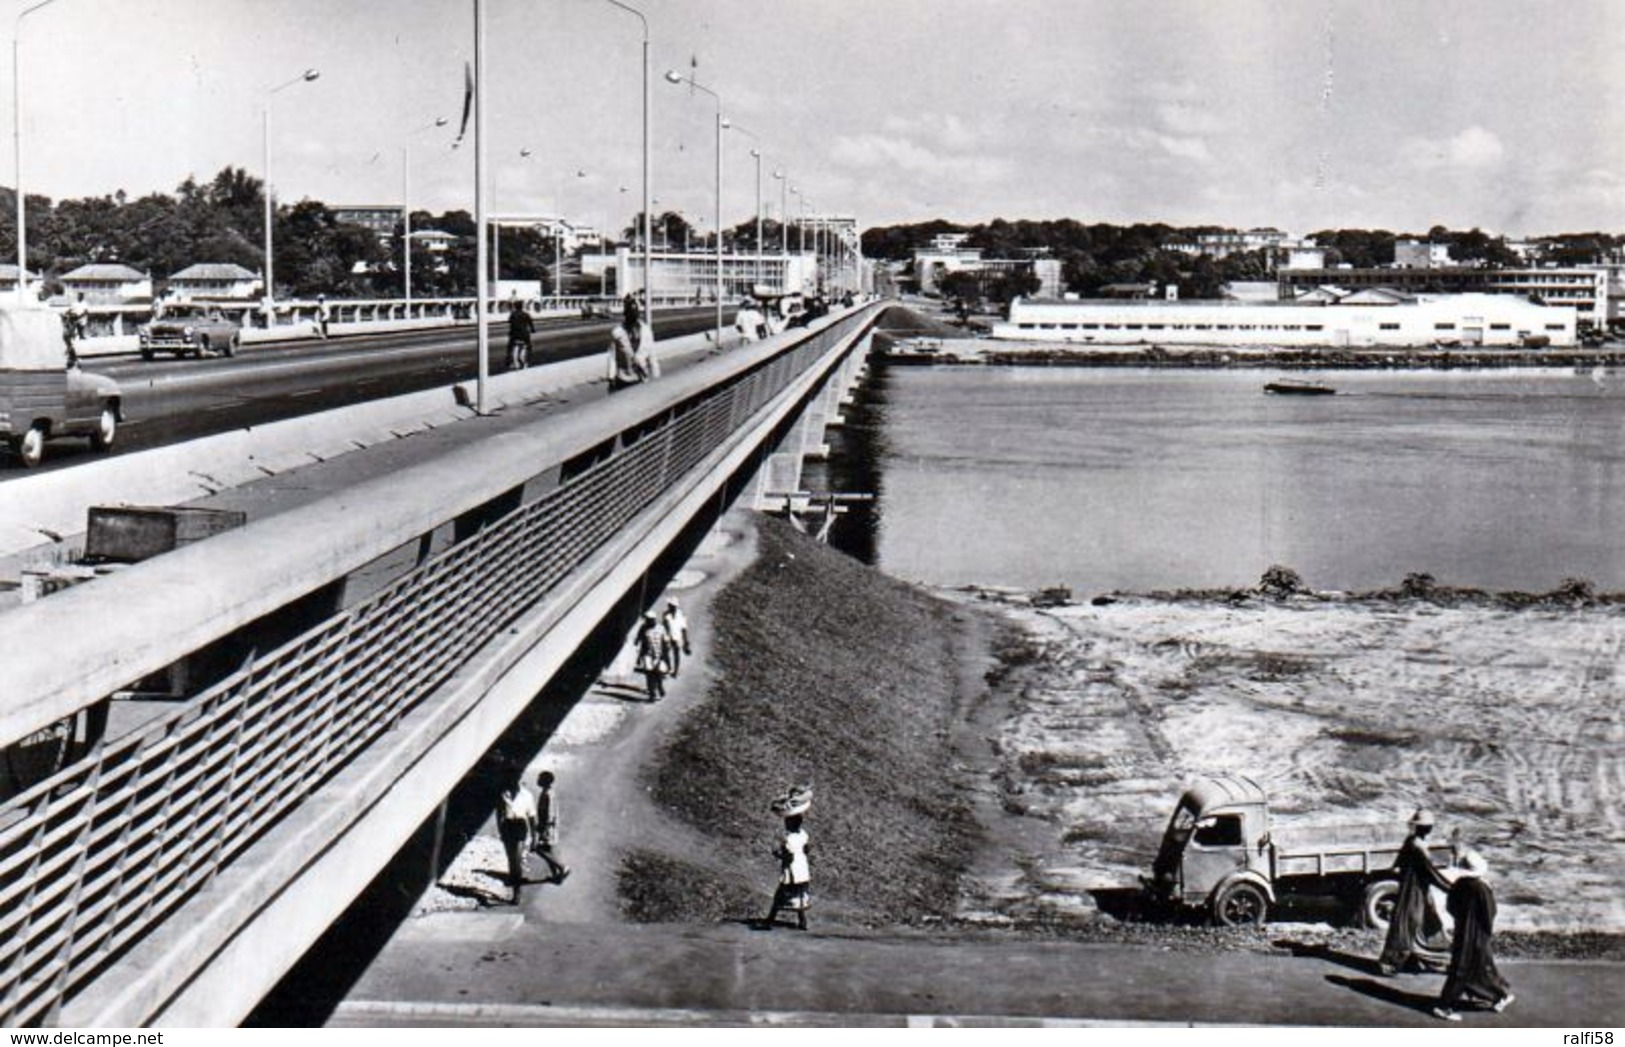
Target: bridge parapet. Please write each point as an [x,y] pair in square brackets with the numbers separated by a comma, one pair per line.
[93,859]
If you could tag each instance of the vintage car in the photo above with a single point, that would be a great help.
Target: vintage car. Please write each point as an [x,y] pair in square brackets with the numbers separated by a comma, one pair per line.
[41,397]
[190,330]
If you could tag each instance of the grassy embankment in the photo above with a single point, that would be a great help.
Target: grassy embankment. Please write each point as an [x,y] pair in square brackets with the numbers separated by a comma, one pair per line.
[830,673]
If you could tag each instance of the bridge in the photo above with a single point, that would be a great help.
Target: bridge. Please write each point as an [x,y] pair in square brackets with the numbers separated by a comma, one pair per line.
[343,665]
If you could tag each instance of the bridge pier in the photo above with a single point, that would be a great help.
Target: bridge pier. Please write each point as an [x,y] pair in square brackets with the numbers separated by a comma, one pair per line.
[804,438]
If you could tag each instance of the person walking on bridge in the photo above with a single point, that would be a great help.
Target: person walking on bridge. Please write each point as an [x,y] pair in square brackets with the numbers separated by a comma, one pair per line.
[631,349]
[520,327]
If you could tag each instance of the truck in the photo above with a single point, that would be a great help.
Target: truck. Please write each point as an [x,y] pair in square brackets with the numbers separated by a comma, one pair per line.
[41,396]
[1221,856]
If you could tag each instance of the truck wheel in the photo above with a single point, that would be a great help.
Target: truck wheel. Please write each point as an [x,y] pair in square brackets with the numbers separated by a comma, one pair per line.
[202,349]
[30,447]
[1377,907]
[231,346]
[106,429]
[1240,905]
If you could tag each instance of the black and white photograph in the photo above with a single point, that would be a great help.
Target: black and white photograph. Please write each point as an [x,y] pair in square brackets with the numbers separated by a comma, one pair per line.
[805,514]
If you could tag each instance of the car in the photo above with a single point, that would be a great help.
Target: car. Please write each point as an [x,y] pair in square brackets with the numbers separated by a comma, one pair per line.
[41,397]
[190,330]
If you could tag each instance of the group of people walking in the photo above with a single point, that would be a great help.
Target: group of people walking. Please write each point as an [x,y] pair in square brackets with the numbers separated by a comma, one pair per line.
[1415,928]
[662,642]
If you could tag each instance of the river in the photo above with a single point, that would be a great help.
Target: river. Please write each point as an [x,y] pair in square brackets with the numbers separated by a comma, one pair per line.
[1139,479]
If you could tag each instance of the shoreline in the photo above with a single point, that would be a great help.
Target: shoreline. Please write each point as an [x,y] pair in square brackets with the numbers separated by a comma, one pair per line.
[978,352]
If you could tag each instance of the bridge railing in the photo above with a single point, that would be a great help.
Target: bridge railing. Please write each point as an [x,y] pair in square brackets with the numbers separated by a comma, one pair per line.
[96,856]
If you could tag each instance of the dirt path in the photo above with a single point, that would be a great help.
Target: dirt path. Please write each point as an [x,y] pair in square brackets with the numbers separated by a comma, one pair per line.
[598,754]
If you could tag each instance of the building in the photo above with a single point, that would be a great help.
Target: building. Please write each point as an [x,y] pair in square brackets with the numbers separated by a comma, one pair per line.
[8,280]
[1417,254]
[107,282]
[694,274]
[1354,319]
[948,254]
[381,219]
[429,247]
[1583,287]
[215,280]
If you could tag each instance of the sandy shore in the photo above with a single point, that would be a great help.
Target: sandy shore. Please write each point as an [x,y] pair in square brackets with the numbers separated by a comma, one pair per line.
[1506,722]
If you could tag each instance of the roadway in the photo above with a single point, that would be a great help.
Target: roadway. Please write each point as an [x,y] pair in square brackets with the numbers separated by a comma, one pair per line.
[167,400]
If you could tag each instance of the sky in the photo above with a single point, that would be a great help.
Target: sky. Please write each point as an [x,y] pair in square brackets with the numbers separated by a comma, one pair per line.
[1508,115]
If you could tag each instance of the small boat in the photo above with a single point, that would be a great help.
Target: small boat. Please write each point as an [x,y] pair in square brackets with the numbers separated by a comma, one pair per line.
[1299,388]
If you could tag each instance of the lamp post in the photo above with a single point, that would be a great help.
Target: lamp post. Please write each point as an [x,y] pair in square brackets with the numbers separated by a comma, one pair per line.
[482,333]
[756,154]
[270,257]
[17,147]
[784,223]
[675,77]
[406,211]
[648,272]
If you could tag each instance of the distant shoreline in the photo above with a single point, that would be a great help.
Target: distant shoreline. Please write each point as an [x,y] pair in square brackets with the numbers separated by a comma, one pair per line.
[986,352]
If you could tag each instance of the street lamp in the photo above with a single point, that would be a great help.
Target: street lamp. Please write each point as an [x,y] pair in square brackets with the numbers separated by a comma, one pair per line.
[406,210]
[756,154]
[784,215]
[673,76]
[17,146]
[648,272]
[270,261]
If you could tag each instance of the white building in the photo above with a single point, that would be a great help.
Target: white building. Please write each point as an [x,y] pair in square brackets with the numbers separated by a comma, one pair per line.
[1365,319]
[694,274]
[107,282]
[215,280]
[8,280]
[1416,254]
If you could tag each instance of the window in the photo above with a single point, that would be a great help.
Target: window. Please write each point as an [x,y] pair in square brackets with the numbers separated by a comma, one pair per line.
[1222,830]
[1500,327]
[1388,327]
[1554,327]
[1314,327]
[1444,327]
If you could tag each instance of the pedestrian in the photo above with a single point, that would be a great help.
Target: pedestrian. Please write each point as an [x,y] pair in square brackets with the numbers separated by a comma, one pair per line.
[631,360]
[520,327]
[1414,922]
[748,321]
[547,827]
[516,824]
[654,656]
[794,890]
[676,625]
[1472,976]
[321,315]
[79,316]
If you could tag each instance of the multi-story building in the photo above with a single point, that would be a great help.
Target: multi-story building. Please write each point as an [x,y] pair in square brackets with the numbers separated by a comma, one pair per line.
[1420,254]
[694,274]
[1583,288]
[215,280]
[1341,319]
[108,282]
[381,219]
[948,254]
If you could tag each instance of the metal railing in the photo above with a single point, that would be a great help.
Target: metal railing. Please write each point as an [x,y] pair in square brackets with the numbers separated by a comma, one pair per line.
[96,856]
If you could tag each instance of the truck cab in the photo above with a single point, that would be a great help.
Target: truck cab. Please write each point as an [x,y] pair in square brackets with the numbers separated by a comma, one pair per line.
[41,397]
[1216,850]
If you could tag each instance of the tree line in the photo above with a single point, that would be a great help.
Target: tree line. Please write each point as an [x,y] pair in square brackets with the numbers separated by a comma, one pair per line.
[223,221]
[1095,255]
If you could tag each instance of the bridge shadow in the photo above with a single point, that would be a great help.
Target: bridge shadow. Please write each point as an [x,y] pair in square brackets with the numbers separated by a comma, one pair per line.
[308,994]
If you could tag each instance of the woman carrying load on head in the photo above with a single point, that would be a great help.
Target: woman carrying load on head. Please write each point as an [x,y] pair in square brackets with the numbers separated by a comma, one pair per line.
[794,891]
[1413,921]
[1472,976]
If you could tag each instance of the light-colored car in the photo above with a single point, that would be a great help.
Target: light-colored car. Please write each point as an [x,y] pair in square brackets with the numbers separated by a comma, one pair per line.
[190,330]
[41,398]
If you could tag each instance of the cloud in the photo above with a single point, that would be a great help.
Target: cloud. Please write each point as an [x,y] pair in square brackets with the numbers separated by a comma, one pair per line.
[948,130]
[874,151]
[1473,149]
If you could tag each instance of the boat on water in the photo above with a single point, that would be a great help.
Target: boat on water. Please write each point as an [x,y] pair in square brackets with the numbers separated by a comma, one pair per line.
[1290,388]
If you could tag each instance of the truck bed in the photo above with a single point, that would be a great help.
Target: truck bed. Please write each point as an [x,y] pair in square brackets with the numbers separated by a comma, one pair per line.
[1359,849]
[27,395]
